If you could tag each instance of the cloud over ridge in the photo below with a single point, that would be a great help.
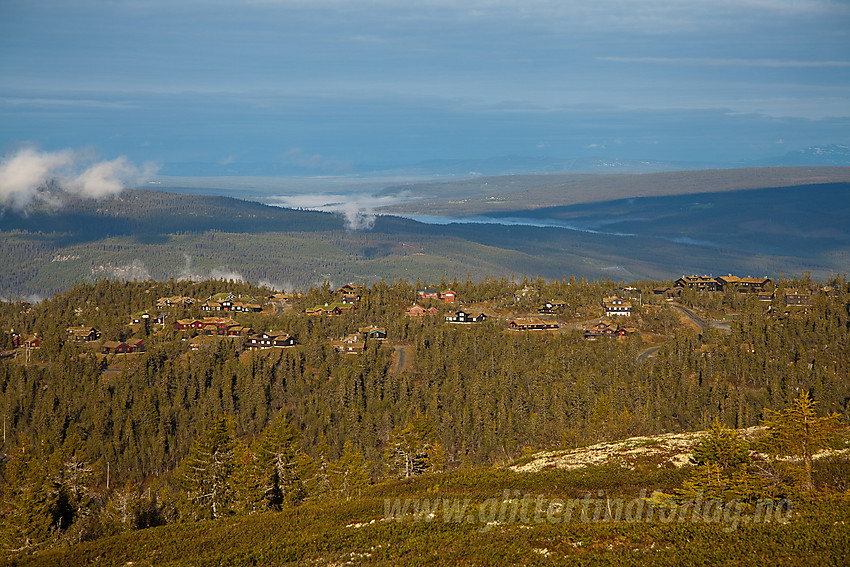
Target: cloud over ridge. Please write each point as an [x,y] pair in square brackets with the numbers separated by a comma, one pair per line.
[30,175]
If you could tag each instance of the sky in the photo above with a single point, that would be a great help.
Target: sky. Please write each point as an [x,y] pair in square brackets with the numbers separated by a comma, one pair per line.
[349,87]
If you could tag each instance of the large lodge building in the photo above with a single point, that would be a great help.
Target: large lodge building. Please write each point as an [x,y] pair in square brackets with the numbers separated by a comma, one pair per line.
[722,283]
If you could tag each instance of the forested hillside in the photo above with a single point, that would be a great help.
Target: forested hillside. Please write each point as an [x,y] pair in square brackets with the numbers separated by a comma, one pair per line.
[446,396]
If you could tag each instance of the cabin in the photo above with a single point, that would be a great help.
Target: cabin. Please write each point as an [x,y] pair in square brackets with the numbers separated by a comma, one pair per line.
[373,333]
[524,292]
[15,339]
[174,301]
[796,298]
[428,293]
[448,296]
[238,331]
[551,307]
[335,308]
[748,284]
[415,311]
[247,306]
[532,324]
[226,302]
[465,317]
[667,292]
[188,324]
[349,298]
[266,340]
[418,311]
[207,325]
[82,334]
[350,288]
[349,293]
[352,344]
[123,347]
[605,328]
[616,307]
[139,318]
[217,325]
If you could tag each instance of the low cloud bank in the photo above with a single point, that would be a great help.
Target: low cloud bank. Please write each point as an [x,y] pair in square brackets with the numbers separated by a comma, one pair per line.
[187,272]
[135,272]
[31,176]
[358,209]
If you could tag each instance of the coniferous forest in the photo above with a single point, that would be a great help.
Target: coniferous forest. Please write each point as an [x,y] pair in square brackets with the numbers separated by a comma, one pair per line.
[196,426]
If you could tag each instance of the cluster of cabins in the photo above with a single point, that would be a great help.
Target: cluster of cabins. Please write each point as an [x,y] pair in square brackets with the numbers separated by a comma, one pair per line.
[355,343]
[447,296]
[747,284]
[226,302]
[791,297]
[18,341]
[335,308]
[221,326]
[90,335]
[419,311]
[266,340]
[347,296]
[229,302]
[226,327]
[174,301]
[614,307]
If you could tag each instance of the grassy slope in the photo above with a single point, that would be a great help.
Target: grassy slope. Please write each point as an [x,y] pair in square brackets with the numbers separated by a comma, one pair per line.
[339,532]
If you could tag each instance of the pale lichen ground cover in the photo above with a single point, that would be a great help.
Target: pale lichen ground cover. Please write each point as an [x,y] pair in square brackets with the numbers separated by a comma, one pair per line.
[672,448]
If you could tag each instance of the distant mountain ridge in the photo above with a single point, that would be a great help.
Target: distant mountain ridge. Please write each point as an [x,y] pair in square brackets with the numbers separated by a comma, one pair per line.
[154,234]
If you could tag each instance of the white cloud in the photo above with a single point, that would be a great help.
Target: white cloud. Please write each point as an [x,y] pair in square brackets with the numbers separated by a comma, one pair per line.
[106,178]
[24,175]
[31,175]
[220,273]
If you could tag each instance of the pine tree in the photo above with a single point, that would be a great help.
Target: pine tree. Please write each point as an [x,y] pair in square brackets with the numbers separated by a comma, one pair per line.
[798,431]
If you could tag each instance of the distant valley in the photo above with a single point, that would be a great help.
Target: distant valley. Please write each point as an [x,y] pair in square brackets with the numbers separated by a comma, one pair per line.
[759,222]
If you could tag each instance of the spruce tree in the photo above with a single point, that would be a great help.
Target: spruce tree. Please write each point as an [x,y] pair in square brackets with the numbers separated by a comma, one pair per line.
[207,472]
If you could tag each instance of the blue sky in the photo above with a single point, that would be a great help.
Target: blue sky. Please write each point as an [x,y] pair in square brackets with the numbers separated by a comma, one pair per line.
[331,87]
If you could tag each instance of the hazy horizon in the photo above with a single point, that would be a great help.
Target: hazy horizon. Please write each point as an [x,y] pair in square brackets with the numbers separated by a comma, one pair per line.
[292,88]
